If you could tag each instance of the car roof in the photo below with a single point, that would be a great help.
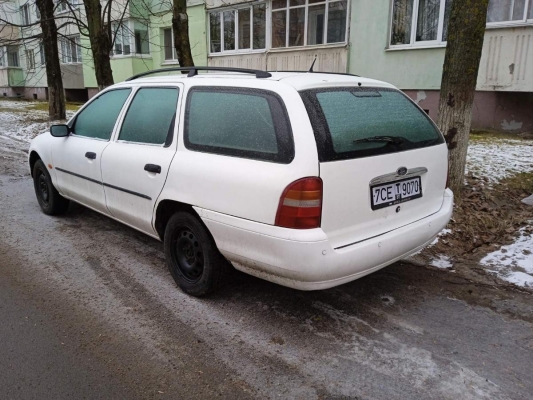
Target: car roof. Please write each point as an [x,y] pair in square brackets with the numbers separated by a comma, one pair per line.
[298,80]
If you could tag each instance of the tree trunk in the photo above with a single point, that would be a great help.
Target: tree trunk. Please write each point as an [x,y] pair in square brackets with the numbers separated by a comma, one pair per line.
[180,27]
[101,43]
[56,94]
[466,30]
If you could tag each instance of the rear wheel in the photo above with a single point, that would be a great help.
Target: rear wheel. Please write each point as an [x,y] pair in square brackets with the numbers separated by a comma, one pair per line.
[192,256]
[51,202]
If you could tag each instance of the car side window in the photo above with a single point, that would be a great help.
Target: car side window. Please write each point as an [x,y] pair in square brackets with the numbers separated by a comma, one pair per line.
[98,119]
[240,122]
[150,117]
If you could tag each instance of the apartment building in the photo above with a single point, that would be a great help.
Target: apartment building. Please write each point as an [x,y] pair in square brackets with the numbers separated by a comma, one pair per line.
[399,41]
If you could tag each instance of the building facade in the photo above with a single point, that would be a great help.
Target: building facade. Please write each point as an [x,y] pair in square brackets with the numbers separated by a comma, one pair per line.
[398,41]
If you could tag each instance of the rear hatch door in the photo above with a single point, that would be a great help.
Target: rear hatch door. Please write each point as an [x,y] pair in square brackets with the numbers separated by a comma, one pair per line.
[382,160]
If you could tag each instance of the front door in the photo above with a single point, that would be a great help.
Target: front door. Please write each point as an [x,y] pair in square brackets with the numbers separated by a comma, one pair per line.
[77,158]
[135,165]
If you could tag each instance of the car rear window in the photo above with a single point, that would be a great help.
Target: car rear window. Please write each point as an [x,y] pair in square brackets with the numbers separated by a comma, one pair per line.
[240,122]
[358,122]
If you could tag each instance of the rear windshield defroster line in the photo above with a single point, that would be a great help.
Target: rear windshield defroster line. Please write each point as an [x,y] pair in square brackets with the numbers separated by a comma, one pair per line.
[255,126]
[352,122]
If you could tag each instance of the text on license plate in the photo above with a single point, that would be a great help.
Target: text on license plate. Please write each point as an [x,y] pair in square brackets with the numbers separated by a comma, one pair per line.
[397,192]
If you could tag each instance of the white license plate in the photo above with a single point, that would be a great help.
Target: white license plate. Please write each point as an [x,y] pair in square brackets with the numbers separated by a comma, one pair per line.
[396,192]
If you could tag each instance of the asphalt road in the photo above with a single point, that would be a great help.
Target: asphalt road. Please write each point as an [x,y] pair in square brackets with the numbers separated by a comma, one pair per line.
[89,310]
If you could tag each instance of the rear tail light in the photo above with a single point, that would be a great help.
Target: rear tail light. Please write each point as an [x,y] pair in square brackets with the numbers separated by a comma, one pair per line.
[300,206]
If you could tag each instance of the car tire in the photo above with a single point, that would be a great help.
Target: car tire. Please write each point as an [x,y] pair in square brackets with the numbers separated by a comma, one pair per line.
[51,202]
[192,256]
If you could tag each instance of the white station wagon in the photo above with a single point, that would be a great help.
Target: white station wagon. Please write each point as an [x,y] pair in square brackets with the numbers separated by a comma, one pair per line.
[309,180]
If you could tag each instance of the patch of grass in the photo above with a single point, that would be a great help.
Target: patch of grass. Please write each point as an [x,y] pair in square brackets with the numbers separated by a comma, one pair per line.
[43,106]
[522,181]
[492,135]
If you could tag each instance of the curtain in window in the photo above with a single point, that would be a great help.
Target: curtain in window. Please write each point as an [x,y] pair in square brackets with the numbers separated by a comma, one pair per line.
[428,20]
[229,30]
[401,22]
[259,26]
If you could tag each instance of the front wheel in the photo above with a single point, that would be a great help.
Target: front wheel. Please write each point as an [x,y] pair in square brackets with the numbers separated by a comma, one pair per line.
[192,256]
[51,202]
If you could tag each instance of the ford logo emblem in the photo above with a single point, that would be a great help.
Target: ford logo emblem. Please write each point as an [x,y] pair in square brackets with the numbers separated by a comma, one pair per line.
[401,171]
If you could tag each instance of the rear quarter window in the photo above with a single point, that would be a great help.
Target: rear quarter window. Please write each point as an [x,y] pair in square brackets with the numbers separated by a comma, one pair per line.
[343,118]
[239,122]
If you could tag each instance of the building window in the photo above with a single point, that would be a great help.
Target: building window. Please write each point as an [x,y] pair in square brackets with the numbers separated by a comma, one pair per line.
[140,33]
[420,22]
[25,13]
[122,39]
[510,11]
[168,45]
[63,5]
[30,59]
[12,56]
[70,50]
[242,29]
[306,23]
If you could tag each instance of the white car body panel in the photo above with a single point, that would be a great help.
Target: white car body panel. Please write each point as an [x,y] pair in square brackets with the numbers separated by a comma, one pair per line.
[131,192]
[309,261]
[347,216]
[238,198]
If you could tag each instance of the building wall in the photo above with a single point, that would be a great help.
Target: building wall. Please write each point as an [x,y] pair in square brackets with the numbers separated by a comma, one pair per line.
[499,111]
[506,62]
[197,35]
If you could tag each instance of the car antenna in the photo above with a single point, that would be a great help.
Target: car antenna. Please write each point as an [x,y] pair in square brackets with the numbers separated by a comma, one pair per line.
[312,65]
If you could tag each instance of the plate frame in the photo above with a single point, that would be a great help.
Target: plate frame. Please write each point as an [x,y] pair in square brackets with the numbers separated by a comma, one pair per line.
[395,202]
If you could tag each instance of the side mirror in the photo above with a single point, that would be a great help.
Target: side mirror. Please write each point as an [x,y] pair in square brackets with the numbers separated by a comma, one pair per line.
[61,130]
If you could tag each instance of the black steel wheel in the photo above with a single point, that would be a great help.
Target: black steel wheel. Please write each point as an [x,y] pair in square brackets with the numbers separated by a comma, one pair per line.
[192,256]
[49,199]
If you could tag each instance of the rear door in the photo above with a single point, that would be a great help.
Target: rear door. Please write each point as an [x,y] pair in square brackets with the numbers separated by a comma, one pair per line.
[135,165]
[382,161]
[77,157]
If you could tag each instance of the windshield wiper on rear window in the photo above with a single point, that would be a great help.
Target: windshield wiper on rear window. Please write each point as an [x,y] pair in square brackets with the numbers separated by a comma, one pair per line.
[387,139]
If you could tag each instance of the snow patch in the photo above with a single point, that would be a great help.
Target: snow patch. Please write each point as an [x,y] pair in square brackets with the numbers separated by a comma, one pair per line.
[498,159]
[514,262]
[441,262]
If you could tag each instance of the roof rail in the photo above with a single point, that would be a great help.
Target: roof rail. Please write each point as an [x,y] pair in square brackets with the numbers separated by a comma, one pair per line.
[194,71]
[317,72]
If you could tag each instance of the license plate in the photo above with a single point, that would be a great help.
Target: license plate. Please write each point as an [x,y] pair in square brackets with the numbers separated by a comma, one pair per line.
[397,192]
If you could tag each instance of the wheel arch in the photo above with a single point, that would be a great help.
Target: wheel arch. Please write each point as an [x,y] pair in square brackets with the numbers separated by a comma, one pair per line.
[33,158]
[166,209]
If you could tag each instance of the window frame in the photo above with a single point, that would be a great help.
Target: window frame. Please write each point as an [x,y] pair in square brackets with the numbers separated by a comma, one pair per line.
[128,27]
[268,28]
[413,43]
[72,123]
[286,147]
[62,8]
[306,6]
[174,59]
[525,21]
[68,42]
[25,14]
[13,49]
[236,8]
[30,59]
[172,130]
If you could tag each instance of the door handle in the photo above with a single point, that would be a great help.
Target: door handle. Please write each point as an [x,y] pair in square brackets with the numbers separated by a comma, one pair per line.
[90,155]
[152,168]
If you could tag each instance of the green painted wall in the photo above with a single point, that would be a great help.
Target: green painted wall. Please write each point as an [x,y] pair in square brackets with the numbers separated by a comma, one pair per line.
[197,35]
[124,67]
[15,77]
[406,69]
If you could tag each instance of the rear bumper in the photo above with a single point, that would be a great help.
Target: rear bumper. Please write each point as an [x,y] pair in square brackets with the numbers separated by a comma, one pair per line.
[306,260]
